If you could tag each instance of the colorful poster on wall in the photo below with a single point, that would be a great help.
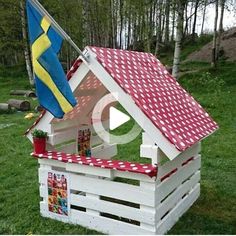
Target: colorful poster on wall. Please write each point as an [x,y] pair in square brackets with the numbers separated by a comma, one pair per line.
[84,148]
[58,193]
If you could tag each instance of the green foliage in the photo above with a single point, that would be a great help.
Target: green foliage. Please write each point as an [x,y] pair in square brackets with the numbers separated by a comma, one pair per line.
[204,82]
[12,71]
[11,44]
[208,83]
[37,133]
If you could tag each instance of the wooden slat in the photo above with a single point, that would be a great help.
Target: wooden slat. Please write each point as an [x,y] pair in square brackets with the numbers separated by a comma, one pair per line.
[62,136]
[177,162]
[99,223]
[104,151]
[96,140]
[106,225]
[148,151]
[43,191]
[116,190]
[176,196]
[114,208]
[148,186]
[52,163]
[133,175]
[92,170]
[67,148]
[178,211]
[168,185]
[77,168]
[146,139]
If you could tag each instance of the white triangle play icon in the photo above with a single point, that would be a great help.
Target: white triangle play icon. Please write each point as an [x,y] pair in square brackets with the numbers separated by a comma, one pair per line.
[117,118]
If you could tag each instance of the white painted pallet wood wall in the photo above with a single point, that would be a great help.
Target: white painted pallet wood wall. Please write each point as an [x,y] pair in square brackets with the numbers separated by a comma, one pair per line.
[101,202]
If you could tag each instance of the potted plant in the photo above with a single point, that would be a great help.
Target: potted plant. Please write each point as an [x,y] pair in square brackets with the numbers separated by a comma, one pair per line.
[39,140]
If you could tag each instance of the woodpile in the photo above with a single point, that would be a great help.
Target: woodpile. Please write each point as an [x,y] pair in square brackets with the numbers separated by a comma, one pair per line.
[21,105]
[27,93]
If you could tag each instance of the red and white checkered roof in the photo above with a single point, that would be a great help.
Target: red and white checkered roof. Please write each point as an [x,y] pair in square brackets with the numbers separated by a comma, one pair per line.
[160,97]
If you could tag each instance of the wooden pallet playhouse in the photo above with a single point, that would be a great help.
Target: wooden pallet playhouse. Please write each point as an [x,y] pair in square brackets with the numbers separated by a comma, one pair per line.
[78,166]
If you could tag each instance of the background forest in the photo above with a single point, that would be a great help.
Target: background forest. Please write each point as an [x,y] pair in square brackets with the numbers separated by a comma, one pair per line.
[143,25]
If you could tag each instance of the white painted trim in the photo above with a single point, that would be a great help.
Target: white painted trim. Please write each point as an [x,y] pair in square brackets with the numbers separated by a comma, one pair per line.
[44,124]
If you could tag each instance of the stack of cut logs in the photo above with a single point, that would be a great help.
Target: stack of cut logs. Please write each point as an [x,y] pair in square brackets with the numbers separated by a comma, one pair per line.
[21,105]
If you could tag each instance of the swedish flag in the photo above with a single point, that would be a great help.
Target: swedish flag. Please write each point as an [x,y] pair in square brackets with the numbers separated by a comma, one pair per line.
[53,90]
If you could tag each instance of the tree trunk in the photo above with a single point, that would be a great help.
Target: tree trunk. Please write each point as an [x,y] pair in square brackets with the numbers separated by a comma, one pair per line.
[85,26]
[167,31]
[179,36]
[204,15]
[195,19]
[185,32]
[222,5]
[158,35]
[129,31]
[190,18]
[173,22]
[121,22]
[26,48]
[112,24]
[213,58]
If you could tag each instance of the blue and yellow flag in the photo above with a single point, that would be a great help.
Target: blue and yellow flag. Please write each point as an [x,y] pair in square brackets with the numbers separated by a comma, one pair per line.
[53,90]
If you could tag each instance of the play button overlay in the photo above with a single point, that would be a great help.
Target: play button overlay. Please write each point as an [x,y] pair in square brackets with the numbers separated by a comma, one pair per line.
[117,118]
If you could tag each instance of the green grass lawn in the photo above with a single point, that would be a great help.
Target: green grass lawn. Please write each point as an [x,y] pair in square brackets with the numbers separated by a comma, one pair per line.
[213,213]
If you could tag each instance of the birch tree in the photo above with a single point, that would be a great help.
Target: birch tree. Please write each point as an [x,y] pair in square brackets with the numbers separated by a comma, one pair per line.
[213,57]
[26,47]
[179,35]
[195,19]
[204,15]
[220,31]
[167,27]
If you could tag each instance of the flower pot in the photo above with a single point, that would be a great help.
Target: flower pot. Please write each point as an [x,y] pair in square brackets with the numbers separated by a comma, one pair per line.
[39,145]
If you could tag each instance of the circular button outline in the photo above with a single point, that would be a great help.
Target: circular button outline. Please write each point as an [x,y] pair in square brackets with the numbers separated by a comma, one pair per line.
[99,129]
